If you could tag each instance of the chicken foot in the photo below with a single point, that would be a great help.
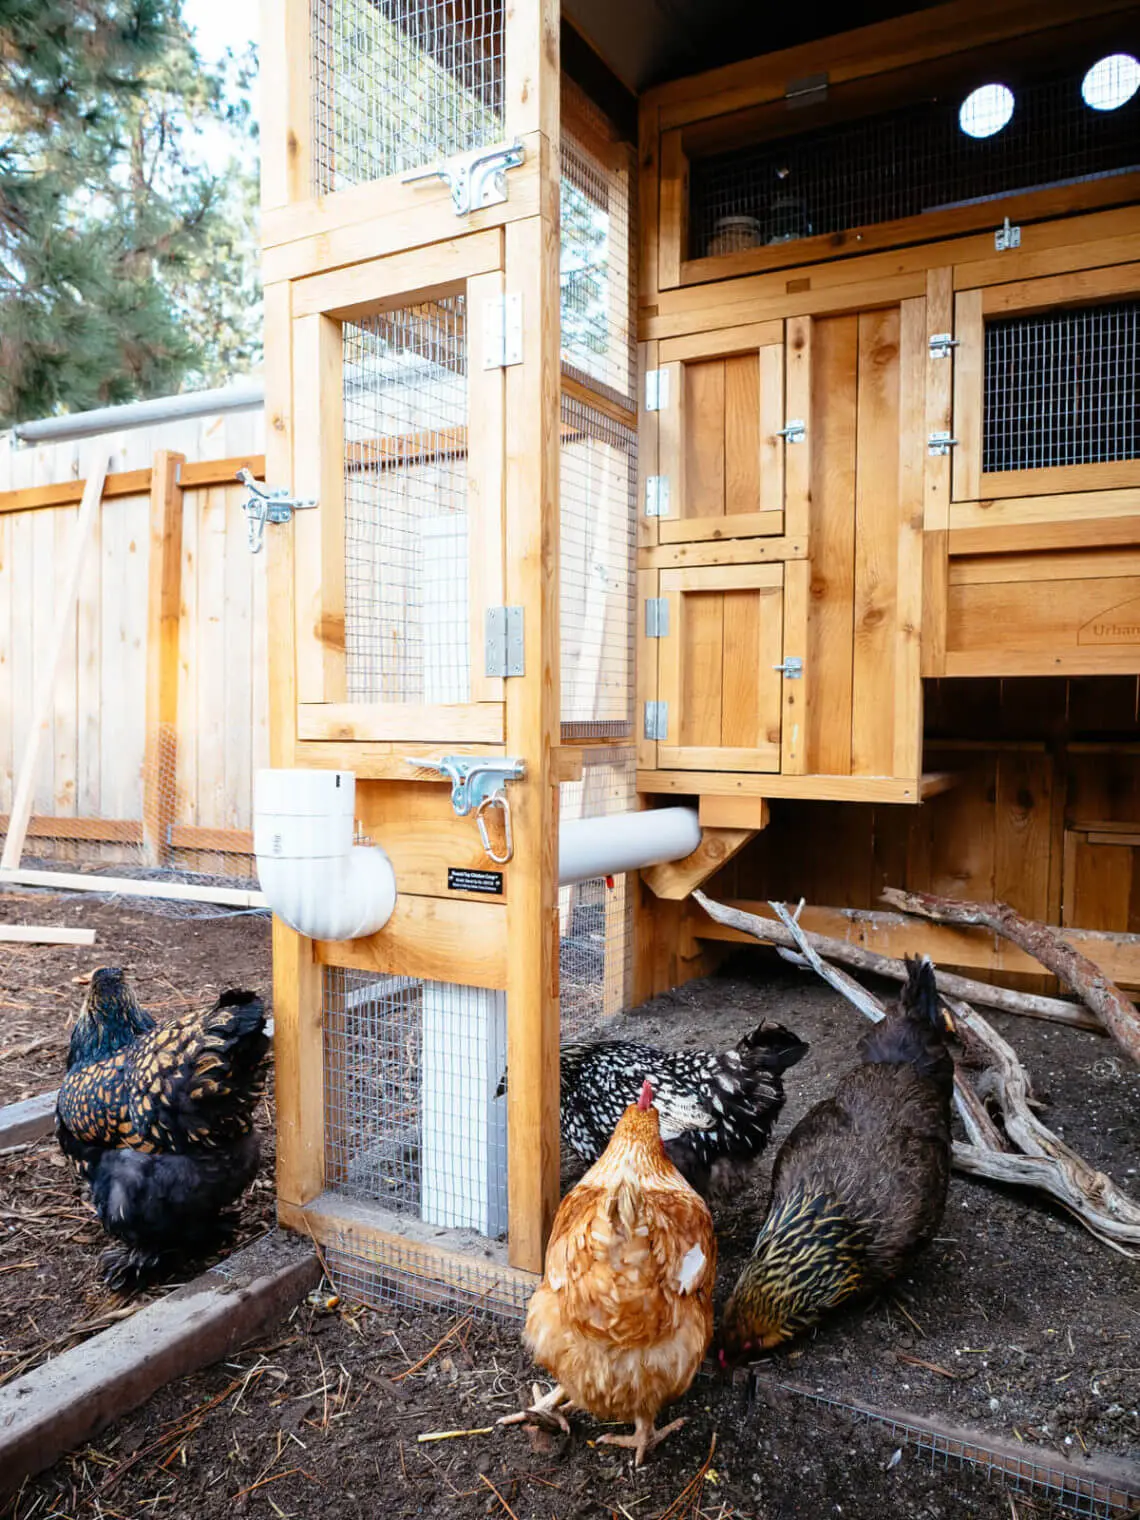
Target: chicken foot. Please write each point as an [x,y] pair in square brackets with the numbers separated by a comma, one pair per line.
[546,1410]
[644,1438]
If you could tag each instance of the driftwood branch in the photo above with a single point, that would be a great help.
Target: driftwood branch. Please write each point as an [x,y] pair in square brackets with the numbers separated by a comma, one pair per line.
[1088,981]
[844,984]
[776,933]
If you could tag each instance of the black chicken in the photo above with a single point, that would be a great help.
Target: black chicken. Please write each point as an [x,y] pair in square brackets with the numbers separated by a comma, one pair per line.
[859,1184]
[716,1108]
[158,1119]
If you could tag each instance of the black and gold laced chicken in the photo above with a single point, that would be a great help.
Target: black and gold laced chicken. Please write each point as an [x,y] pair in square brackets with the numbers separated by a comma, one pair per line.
[859,1184]
[158,1120]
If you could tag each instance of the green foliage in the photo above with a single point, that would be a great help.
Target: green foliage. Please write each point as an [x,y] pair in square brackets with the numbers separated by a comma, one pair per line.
[127,267]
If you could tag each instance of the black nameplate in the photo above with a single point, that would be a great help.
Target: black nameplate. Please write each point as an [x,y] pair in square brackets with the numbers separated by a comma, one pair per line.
[459,880]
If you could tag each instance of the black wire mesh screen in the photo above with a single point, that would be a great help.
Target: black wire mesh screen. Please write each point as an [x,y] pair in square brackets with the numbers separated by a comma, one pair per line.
[405,512]
[1062,388]
[397,84]
[414,1119]
[903,163]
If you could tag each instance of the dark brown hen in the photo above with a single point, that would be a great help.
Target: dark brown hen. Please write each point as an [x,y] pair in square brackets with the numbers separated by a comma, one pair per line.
[859,1184]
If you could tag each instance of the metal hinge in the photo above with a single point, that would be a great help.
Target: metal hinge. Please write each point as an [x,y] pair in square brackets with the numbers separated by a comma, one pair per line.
[475,179]
[502,331]
[794,432]
[809,91]
[792,668]
[657,496]
[266,504]
[656,720]
[1007,237]
[656,390]
[656,617]
[941,344]
[939,444]
[503,642]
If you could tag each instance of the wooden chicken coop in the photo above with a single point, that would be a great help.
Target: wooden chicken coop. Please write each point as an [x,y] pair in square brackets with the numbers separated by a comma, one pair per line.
[764,439]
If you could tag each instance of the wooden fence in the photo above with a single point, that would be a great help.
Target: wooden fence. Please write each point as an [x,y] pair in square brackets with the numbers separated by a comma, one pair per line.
[165,761]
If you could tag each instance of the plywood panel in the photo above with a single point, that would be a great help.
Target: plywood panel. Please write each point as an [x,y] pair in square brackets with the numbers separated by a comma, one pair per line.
[1035,627]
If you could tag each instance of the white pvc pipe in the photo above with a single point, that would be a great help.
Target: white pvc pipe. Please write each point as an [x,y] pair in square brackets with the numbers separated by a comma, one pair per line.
[590,847]
[313,876]
[243,395]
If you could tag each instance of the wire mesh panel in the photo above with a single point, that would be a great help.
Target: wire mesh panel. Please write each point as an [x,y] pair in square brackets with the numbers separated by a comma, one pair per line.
[596,264]
[902,163]
[1061,388]
[598,485]
[371,1270]
[397,84]
[406,542]
[414,1118]
[596,917]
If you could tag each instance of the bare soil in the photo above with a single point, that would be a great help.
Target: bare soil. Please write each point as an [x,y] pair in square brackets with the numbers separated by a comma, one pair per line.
[1015,1322]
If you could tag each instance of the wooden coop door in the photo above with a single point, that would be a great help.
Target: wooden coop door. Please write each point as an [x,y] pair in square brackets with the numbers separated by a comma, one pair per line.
[400,436]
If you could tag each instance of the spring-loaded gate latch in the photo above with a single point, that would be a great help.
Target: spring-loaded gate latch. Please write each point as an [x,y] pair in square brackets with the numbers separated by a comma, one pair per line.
[265,504]
[478,785]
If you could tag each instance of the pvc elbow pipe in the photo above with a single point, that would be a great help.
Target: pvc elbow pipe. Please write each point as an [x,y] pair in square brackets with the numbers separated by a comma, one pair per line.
[313,876]
[591,847]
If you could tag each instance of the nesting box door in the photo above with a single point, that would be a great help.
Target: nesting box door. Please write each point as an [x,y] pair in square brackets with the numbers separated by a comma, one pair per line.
[399,412]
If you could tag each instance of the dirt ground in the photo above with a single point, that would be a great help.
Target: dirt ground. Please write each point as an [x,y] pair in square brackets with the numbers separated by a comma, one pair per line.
[1015,1321]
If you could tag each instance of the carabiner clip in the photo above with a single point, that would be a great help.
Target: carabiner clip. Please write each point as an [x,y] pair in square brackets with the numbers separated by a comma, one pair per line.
[496,799]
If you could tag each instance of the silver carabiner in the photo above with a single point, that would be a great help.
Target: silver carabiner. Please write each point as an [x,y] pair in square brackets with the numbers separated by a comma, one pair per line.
[496,799]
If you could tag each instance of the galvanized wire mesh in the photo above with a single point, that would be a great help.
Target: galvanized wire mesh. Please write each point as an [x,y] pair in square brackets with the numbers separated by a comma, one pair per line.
[406,553]
[368,1270]
[1062,387]
[596,917]
[904,162]
[413,1117]
[1029,1473]
[397,84]
[598,484]
[597,268]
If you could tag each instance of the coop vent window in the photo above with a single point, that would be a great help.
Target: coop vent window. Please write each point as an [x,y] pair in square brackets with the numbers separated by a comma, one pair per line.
[935,155]
[1061,388]
[1111,83]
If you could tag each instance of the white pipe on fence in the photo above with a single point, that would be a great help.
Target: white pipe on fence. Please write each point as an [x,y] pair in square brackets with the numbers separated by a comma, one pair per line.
[243,395]
[590,847]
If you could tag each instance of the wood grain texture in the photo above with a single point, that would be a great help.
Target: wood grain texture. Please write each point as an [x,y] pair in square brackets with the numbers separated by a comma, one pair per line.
[163,624]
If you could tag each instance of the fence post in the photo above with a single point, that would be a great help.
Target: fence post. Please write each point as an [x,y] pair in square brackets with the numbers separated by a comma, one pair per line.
[164,616]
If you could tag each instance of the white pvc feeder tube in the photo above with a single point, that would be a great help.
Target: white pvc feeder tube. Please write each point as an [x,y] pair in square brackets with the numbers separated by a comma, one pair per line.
[313,876]
[592,847]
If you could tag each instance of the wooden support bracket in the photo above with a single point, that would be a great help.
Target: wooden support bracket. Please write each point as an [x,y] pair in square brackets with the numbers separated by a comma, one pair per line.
[676,879]
[164,613]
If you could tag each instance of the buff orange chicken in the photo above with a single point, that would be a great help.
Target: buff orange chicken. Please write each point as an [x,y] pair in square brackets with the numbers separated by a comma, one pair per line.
[623,1315]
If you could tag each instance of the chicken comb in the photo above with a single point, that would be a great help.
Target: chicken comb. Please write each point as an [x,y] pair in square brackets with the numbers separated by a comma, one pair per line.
[646,1099]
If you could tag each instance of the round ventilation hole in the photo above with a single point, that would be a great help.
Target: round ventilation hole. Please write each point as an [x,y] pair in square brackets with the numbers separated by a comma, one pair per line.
[986,110]
[1111,82]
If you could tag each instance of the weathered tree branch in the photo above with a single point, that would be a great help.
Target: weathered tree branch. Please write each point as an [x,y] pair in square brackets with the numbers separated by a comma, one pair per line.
[1045,944]
[776,933]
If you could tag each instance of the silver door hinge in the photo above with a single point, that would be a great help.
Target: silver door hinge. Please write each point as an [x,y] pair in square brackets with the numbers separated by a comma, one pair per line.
[1007,237]
[792,668]
[656,720]
[941,344]
[794,431]
[267,504]
[502,331]
[656,617]
[503,642]
[475,179]
[656,390]
[940,444]
[657,496]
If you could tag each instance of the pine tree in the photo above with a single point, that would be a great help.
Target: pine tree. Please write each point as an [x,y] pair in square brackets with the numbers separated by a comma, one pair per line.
[126,268]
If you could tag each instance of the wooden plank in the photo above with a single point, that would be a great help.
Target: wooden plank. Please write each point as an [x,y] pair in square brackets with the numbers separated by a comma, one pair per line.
[798,404]
[349,722]
[734,813]
[1015,662]
[648,451]
[128,886]
[698,755]
[373,761]
[742,435]
[937,474]
[969,363]
[874,673]
[725,306]
[280,569]
[52,934]
[747,705]
[1022,538]
[795,695]
[318,534]
[436,938]
[716,530]
[648,652]
[771,419]
[66,493]
[702,440]
[1073,288]
[65,626]
[754,577]
[696,719]
[531,87]
[200,474]
[597,400]
[1108,476]
[809,788]
[65,713]
[914,358]
[418,829]
[112,830]
[7,575]
[213,656]
[298,1058]
[398,279]
[673,220]
[164,613]
[830,630]
[1022,839]
[723,343]
[486,418]
[648,199]
[47,589]
[676,879]
[1077,566]
[285,145]
[717,551]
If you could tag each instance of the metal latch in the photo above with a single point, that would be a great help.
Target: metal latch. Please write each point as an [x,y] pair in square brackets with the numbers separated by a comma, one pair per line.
[1007,237]
[792,668]
[267,505]
[474,778]
[794,432]
[940,444]
[656,390]
[656,720]
[476,179]
[657,496]
[941,344]
[502,331]
[656,617]
[504,650]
